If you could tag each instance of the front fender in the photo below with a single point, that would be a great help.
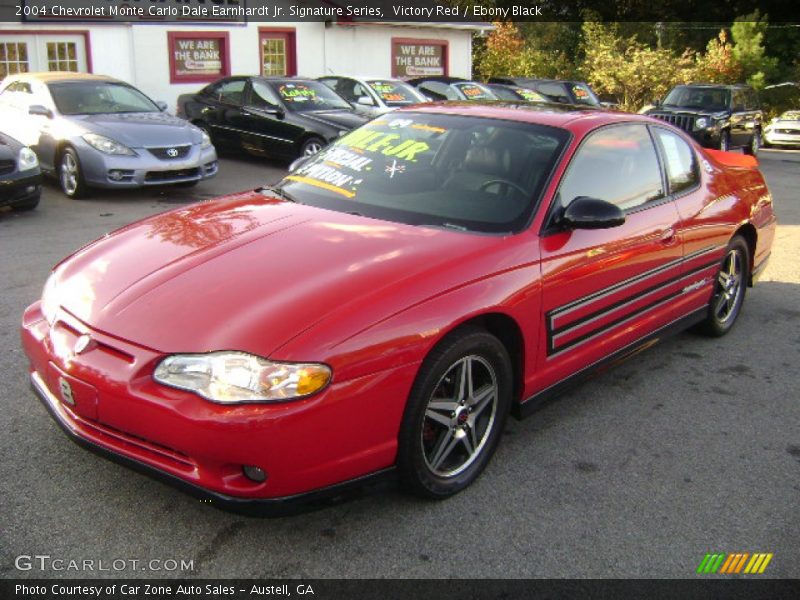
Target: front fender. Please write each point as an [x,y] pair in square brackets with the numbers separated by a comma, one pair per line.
[409,335]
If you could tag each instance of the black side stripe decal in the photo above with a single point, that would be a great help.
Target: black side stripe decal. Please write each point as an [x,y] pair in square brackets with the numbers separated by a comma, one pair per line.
[556,312]
[554,332]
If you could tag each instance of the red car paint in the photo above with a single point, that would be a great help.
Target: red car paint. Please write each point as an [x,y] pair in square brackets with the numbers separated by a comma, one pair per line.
[370,299]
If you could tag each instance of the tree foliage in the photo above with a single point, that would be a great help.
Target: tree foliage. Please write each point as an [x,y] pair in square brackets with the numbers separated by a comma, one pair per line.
[748,49]
[629,70]
[718,64]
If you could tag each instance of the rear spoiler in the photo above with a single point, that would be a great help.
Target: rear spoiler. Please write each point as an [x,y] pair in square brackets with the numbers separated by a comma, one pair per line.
[733,159]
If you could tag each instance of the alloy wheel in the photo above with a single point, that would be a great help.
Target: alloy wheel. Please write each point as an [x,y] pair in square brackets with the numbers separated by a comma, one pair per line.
[459,416]
[69,174]
[730,286]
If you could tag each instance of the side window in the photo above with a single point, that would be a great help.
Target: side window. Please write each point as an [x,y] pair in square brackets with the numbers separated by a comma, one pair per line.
[752,100]
[738,100]
[231,92]
[682,169]
[261,95]
[438,90]
[347,90]
[617,164]
[553,91]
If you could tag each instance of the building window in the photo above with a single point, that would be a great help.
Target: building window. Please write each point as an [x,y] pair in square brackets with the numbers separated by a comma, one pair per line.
[62,56]
[419,58]
[13,58]
[277,51]
[198,56]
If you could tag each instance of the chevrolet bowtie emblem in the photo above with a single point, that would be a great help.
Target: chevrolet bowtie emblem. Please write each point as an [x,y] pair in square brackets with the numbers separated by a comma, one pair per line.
[82,344]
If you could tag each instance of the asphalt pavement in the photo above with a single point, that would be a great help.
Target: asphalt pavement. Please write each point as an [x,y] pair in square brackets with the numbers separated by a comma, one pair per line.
[691,447]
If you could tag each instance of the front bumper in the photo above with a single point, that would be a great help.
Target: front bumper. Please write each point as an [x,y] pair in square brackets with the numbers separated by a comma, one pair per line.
[782,139]
[20,188]
[322,446]
[708,138]
[114,171]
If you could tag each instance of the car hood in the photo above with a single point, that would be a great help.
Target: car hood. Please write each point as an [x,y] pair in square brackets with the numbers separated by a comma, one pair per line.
[340,119]
[250,273]
[141,130]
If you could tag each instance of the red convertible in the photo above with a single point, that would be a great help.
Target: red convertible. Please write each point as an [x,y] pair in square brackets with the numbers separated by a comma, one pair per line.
[387,305]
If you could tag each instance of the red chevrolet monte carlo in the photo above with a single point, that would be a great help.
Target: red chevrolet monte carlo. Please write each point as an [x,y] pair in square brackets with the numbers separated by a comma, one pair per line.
[385,307]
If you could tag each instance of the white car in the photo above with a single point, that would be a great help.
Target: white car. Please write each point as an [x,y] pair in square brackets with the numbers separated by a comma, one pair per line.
[783,130]
[373,96]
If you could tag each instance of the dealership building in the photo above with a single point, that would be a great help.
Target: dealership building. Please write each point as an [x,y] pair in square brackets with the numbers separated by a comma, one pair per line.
[169,56]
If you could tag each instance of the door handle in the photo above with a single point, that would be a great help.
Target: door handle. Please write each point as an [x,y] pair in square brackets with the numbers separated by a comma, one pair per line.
[668,236]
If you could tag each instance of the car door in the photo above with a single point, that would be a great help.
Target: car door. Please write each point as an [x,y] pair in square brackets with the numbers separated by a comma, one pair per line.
[263,124]
[704,228]
[49,135]
[604,289]
[740,119]
[222,103]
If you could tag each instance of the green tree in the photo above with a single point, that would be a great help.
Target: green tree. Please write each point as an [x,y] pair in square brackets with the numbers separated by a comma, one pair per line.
[748,49]
[718,64]
[629,70]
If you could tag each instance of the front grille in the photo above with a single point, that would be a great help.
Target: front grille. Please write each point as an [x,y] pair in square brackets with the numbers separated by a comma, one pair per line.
[170,152]
[7,166]
[684,122]
[172,175]
[788,131]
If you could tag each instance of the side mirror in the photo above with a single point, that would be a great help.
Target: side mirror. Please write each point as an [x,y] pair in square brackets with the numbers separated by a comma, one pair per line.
[162,106]
[590,213]
[656,102]
[365,101]
[40,111]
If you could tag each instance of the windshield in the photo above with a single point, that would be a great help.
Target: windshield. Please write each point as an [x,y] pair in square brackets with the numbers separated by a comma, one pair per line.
[99,97]
[304,96]
[704,98]
[474,91]
[584,95]
[395,93]
[452,171]
[517,93]
[790,116]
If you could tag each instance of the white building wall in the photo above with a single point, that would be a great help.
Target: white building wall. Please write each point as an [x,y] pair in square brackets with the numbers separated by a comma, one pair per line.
[139,53]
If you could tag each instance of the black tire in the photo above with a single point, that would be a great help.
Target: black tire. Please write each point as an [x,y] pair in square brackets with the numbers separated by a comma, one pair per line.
[755,144]
[725,140]
[443,448]
[728,297]
[70,175]
[311,146]
[28,204]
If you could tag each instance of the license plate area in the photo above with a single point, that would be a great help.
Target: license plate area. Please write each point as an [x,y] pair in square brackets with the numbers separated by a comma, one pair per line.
[78,395]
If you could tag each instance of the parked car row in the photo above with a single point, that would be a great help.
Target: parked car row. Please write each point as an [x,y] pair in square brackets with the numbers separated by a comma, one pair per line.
[94,131]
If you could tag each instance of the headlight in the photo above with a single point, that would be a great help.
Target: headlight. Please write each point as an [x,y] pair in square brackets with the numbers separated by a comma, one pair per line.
[206,143]
[27,160]
[702,123]
[237,377]
[107,145]
[50,299]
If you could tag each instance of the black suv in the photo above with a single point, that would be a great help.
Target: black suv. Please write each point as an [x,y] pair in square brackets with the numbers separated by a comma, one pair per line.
[717,116]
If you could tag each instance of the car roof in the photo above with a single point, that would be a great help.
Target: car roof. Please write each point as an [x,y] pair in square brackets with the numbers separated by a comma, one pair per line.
[438,78]
[60,76]
[566,116]
[714,85]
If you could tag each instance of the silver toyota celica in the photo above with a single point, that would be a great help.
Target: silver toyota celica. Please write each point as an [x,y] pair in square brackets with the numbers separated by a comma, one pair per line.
[95,131]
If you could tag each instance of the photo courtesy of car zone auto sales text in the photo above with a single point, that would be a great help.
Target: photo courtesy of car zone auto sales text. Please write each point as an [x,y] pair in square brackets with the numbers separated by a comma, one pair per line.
[399,299]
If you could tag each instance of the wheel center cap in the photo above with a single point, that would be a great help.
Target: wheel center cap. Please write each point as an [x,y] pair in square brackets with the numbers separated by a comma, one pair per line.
[462,416]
